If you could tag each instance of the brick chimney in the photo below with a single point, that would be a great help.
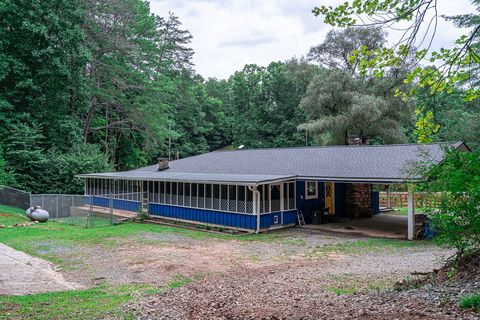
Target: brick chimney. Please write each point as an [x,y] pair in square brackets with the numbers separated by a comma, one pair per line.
[358,195]
[162,163]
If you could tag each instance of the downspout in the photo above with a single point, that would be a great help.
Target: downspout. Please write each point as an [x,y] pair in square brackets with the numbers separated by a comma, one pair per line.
[256,205]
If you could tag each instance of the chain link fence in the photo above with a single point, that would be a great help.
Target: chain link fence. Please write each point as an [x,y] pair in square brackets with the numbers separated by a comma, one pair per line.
[14,198]
[79,210]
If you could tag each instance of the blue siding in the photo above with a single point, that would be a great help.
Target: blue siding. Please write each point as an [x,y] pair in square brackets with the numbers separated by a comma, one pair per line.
[229,219]
[119,204]
[310,205]
[290,217]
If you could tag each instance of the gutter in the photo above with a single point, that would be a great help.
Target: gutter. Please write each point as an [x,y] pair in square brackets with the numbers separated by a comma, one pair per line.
[256,205]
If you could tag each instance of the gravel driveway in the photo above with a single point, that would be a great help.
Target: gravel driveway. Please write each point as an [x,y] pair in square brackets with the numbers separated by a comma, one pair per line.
[22,274]
[310,284]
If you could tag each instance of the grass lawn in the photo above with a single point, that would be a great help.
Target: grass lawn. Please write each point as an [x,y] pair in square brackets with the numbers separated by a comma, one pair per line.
[26,238]
[404,211]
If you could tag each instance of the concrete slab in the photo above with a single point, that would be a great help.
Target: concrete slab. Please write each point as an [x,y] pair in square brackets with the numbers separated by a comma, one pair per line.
[382,225]
[23,274]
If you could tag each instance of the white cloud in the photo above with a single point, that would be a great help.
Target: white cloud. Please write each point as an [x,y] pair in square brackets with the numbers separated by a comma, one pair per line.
[231,33]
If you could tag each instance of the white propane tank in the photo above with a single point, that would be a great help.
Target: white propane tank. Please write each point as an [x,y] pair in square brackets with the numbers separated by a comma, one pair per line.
[37,214]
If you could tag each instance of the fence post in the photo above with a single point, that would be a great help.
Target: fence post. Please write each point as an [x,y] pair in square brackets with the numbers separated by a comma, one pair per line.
[110,205]
[89,216]
[43,205]
[57,207]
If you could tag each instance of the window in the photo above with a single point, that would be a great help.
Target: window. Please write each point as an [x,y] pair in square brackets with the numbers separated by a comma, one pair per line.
[311,189]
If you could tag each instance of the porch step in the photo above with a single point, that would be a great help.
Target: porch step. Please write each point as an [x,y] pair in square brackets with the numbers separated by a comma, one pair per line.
[301,218]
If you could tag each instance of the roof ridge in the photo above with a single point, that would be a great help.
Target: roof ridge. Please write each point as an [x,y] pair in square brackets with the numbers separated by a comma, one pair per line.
[344,146]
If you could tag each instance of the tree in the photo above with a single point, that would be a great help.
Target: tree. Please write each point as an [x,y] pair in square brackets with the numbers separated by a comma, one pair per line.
[41,61]
[265,101]
[452,118]
[457,219]
[6,178]
[340,101]
[336,50]
[59,168]
[337,106]
[25,155]
[455,65]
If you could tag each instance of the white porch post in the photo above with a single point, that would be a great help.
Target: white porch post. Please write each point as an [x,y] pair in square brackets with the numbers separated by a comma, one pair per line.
[256,204]
[411,214]
[389,197]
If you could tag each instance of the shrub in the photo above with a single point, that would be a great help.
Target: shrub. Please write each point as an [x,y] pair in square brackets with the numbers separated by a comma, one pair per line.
[470,302]
[457,219]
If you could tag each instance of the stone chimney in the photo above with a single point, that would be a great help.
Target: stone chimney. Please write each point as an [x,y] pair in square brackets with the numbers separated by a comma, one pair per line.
[162,163]
[358,200]
[357,140]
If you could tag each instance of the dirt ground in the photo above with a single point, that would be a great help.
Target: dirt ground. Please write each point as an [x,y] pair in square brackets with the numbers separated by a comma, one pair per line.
[157,258]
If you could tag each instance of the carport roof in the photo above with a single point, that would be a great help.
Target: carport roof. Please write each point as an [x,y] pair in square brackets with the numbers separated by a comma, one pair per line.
[374,163]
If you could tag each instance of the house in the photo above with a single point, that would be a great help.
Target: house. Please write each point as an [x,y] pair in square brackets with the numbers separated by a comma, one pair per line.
[264,189]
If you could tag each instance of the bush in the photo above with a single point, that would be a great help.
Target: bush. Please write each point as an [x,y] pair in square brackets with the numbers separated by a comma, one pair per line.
[60,168]
[470,302]
[457,219]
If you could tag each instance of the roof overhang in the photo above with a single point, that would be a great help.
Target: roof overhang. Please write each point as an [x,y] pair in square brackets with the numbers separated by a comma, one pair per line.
[238,179]
[372,180]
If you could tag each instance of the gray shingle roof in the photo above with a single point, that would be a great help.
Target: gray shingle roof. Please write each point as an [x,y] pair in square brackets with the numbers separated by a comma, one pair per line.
[376,163]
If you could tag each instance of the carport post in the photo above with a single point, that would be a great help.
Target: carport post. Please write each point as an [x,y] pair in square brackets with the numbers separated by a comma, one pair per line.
[411,214]
[389,197]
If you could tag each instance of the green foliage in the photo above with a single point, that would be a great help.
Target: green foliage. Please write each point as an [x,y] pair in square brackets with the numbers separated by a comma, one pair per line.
[457,219]
[470,302]
[425,128]
[6,178]
[338,105]
[458,120]
[107,85]
[342,101]
[24,155]
[59,169]
[265,101]
[458,65]
[335,52]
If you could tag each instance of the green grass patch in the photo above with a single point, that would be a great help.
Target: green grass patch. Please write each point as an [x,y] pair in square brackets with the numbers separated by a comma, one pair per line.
[347,283]
[470,302]
[93,303]
[403,211]
[39,236]
[179,281]
[11,215]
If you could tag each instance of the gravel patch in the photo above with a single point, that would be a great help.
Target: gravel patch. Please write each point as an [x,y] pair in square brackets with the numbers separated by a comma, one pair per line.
[308,289]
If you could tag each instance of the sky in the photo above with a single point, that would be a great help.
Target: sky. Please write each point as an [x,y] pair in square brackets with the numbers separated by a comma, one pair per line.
[227,34]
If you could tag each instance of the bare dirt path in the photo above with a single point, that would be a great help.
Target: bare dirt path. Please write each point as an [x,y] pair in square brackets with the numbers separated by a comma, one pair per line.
[23,274]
